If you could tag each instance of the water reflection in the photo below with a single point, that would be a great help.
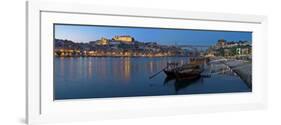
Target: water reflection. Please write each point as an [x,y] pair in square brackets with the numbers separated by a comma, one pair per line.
[97,77]
[127,68]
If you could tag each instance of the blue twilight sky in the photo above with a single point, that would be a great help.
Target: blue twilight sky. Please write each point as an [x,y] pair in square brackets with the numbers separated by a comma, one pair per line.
[86,33]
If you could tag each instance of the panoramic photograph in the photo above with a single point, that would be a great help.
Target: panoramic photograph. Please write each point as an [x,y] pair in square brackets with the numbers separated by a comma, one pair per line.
[92,61]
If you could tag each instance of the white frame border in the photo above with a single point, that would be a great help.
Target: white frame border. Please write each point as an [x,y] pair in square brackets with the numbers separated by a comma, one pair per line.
[33,52]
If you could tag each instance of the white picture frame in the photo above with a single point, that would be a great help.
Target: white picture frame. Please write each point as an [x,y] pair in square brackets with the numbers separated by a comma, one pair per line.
[41,108]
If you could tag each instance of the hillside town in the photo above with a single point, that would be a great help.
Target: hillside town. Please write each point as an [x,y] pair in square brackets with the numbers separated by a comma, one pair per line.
[117,46]
[231,49]
[120,46]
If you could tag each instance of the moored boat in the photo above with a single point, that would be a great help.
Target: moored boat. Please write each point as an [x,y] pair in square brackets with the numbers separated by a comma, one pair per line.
[192,72]
[187,71]
[170,69]
[169,73]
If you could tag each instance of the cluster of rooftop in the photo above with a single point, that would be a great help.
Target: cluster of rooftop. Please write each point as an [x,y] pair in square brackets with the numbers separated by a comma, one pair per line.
[117,46]
[231,49]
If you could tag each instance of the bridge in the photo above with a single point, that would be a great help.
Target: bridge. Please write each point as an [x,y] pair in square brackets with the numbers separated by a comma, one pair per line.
[193,46]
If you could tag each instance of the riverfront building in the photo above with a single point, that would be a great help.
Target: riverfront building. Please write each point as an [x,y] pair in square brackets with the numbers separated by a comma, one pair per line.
[124,39]
[116,40]
[231,49]
[117,46]
[221,43]
[103,41]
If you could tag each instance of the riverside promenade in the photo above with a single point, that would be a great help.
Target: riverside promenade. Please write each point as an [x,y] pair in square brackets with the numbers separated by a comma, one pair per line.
[241,67]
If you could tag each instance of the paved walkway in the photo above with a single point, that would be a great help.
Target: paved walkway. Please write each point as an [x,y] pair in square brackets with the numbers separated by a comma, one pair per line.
[243,69]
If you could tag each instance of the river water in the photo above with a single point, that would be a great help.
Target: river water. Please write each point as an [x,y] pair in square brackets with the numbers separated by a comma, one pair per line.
[103,77]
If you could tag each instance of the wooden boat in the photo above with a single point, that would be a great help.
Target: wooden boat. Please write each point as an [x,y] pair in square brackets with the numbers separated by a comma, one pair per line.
[169,73]
[189,72]
[170,69]
[186,71]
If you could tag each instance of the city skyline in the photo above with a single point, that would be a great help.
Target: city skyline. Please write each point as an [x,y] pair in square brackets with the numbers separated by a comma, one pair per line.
[87,33]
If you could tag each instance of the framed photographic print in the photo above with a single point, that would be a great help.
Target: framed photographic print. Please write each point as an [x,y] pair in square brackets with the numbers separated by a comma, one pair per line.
[89,62]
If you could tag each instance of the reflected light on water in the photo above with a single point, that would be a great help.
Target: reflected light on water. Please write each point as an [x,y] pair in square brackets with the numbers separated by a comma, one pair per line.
[151,67]
[70,67]
[89,77]
[62,67]
[89,69]
[127,68]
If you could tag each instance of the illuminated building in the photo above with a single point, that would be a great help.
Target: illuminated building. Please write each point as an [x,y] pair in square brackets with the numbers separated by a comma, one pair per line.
[221,43]
[103,41]
[124,39]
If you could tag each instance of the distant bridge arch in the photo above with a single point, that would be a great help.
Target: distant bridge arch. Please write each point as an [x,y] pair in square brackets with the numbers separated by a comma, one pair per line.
[193,46]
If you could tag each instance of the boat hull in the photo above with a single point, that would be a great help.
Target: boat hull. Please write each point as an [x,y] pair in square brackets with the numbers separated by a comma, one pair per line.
[185,72]
[170,74]
[187,76]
